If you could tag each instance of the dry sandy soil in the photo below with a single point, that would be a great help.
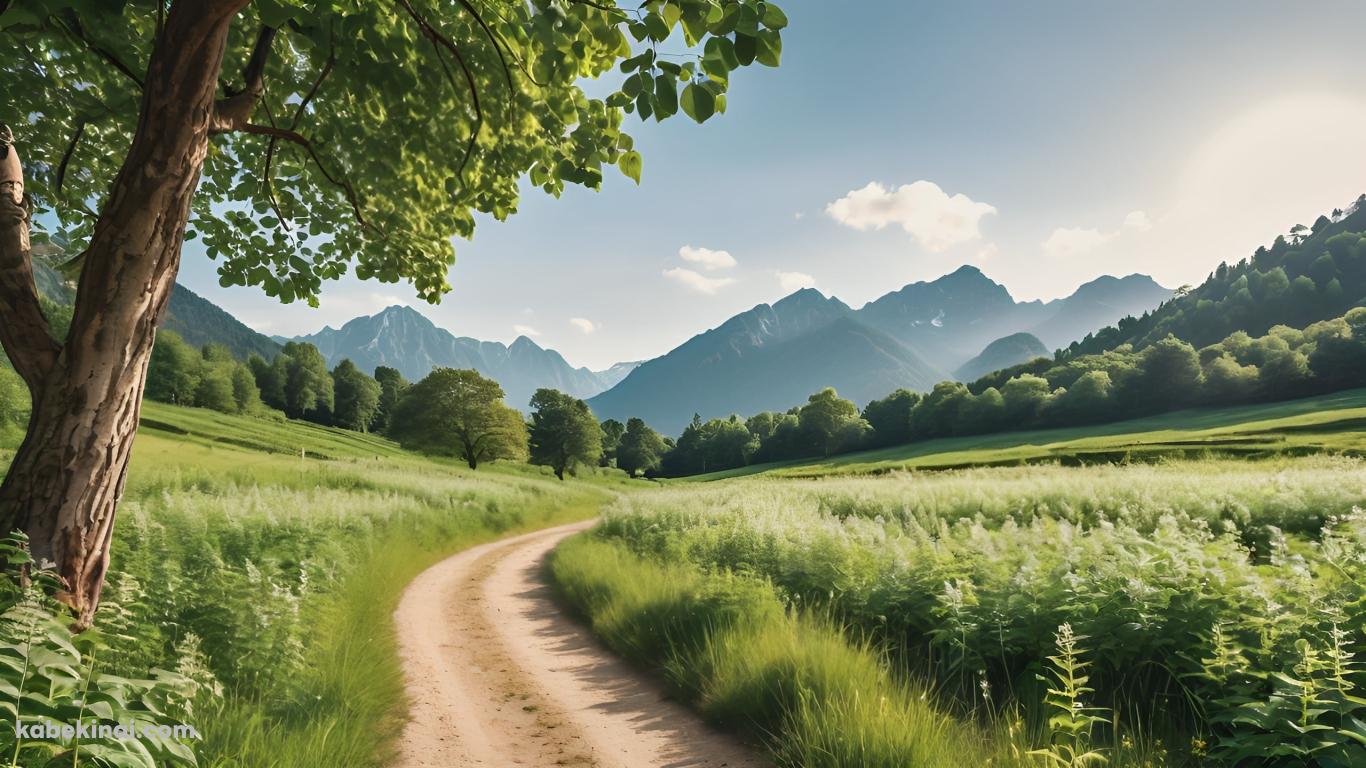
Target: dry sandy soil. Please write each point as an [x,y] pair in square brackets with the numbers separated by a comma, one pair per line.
[499,676]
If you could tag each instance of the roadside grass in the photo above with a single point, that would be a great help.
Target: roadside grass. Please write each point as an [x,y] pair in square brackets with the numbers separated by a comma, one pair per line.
[269,575]
[1334,424]
[728,645]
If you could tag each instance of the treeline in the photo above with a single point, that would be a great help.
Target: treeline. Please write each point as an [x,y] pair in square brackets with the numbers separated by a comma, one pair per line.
[1119,384]
[1312,273]
[456,413]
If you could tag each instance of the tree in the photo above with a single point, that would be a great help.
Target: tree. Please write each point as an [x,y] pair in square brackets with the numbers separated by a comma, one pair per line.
[459,413]
[1086,401]
[355,397]
[564,432]
[174,371]
[890,417]
[277,127]
[825,421]
[1168,377]
[392,385]
[215,390]
[612,432]
[244,392]
[1025,397]
[641,449]
[308,390]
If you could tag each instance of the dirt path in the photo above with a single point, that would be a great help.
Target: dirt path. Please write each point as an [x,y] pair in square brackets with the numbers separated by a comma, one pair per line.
[498,676]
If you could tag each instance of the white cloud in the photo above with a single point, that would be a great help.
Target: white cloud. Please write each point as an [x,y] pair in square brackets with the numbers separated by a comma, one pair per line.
[706,258]
[1066,242]
[386,300]
[525,330]
[988,252]
[697,282]
[792,281]
[935,219]
[583,324]
[799,215]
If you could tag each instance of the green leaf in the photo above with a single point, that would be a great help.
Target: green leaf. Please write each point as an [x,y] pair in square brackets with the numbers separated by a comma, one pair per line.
[774,18]
[770,48]
[630,163]
[698,102]
[666,96]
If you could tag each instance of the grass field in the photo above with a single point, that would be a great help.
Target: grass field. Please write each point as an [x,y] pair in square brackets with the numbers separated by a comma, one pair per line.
[1333,423]
[1167,612]
[263,559]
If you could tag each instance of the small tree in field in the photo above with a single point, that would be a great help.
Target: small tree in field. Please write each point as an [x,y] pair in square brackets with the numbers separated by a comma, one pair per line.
[298,141]
[564,432]
[462,414]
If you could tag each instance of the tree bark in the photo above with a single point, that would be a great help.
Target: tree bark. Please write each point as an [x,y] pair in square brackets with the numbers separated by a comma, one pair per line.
[65,482]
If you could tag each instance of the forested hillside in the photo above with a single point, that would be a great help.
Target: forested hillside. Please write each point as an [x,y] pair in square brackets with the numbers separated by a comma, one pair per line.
[1312,274]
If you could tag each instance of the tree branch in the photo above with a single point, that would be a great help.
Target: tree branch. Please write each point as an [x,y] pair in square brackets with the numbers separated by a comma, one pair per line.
[66,156]
[294,137]
[235,110]
[25,333]
[440,41]
[70,22]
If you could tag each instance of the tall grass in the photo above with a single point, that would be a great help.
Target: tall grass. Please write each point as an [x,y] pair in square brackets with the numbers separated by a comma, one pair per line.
[1196,584]
[267,575]
[729,645]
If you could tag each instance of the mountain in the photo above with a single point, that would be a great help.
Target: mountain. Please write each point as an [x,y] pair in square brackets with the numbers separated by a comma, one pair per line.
[402,338]
[1095,305]
[197,320]
[200,321]
[1315,273]
[946,319]
[774,357]
[1002,353]
[610,377]
[768,358]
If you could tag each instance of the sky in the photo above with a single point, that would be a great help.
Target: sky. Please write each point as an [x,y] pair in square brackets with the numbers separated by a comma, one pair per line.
[1046,143]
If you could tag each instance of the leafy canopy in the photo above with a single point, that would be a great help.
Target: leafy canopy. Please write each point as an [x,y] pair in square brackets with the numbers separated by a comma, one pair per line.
[394,122]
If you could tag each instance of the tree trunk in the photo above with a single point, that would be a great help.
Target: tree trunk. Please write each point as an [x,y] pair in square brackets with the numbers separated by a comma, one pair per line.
[65,482]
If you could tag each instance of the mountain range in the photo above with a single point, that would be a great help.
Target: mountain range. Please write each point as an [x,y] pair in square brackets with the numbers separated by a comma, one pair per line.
[773,356]
[402,338]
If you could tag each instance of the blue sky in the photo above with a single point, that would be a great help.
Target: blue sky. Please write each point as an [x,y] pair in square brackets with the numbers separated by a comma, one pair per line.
[1046,143]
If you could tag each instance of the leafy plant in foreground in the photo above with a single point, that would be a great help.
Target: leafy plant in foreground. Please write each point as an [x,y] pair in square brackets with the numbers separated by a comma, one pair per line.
[1072,722]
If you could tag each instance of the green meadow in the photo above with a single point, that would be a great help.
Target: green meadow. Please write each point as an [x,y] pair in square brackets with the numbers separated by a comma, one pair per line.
[259,561]
[1139,594]
[1334,424]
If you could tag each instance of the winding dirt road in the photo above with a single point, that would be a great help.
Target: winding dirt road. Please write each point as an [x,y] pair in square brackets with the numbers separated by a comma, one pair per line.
[498,676]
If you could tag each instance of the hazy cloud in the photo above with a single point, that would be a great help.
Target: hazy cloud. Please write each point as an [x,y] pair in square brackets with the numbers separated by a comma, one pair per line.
[1066,242]
[792,281]
[935,219]
[525,330]
[706,258]
[696,281]
[583,324]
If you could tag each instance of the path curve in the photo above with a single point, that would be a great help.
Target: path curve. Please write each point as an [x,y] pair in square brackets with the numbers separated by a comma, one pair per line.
[497,675]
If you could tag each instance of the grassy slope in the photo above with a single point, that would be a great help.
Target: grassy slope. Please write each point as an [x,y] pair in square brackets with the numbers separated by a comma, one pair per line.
[1333,423]
[221,516]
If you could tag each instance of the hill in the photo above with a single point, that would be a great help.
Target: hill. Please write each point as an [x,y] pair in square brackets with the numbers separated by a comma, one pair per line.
[1315,273]
[402,338]
[1002,353]
[1328,424]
